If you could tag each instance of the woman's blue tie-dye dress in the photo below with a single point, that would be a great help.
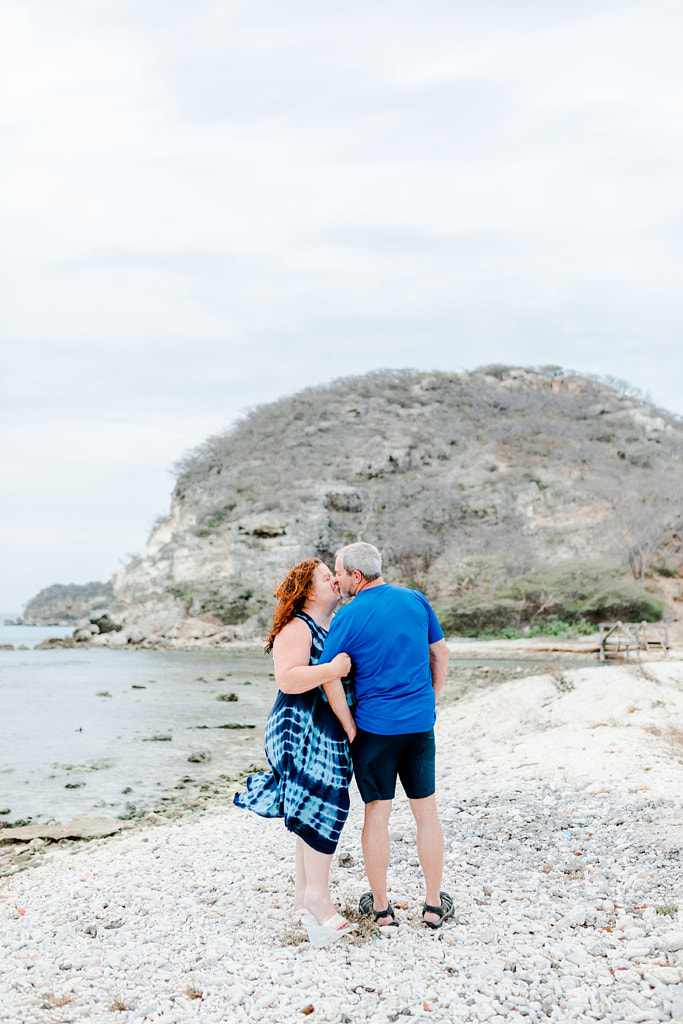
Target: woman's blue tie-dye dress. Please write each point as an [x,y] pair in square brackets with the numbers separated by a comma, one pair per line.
[308,753]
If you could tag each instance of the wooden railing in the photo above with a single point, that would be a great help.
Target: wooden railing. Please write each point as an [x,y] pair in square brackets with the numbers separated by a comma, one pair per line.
[623,637]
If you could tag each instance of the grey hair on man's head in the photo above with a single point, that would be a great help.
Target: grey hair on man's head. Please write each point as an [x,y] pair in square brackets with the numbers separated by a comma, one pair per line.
[363,557]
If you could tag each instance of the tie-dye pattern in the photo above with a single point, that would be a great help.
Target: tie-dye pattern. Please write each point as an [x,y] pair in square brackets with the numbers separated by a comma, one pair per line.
[308,753]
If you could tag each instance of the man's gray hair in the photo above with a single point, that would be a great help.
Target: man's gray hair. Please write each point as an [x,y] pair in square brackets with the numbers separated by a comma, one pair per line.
[363,557]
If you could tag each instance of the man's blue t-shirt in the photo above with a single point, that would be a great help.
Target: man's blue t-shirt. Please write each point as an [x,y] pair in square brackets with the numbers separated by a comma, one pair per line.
[386,631]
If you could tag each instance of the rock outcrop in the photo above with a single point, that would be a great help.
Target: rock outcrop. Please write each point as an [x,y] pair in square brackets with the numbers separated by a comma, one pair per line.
[85,826]
[469,483]
[507,495]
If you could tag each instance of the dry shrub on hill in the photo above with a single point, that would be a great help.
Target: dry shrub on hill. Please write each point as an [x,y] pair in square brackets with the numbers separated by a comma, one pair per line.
[557,480]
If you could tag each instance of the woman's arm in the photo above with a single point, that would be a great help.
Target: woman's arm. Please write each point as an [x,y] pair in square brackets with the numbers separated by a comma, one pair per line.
[336,695]
[291,654]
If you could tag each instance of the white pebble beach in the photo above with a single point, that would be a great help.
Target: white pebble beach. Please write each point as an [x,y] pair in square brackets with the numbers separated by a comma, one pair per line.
[560,797]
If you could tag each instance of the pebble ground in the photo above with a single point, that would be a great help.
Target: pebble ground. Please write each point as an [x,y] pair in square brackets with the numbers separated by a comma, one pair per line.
[561,803]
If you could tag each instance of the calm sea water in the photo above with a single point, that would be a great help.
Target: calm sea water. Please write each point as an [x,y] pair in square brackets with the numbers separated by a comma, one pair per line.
[86,720]
[78,726]
[29,636]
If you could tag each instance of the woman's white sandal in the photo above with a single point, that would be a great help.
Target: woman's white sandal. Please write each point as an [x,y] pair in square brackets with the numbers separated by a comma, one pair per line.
[331,930]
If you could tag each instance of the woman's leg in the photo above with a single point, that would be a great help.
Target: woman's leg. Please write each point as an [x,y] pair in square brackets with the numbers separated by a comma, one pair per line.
[317,893]
[300,875]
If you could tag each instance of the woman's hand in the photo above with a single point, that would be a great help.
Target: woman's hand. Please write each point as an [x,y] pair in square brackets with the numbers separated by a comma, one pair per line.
[341,664]
[351,732]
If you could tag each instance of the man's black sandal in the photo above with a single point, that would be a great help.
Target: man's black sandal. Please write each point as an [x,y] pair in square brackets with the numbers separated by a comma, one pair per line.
[445,911]
[366,907]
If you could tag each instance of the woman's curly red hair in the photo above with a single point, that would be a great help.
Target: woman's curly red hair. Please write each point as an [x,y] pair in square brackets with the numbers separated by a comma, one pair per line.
[291,596]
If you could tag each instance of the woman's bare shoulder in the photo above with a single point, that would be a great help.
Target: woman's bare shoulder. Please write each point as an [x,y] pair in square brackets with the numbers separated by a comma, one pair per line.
[294,630]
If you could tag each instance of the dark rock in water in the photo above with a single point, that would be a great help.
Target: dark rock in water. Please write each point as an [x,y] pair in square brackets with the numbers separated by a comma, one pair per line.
[227,696]
[200,757]
[228,725]
[126,791]
[131,812]
[106,625]
[157,739]
[103,693]
[74,785]
[6,647]
[5,812]
[137,686]
[55,641]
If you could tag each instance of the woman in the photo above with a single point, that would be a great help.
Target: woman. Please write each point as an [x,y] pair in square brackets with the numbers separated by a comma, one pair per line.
[307,742]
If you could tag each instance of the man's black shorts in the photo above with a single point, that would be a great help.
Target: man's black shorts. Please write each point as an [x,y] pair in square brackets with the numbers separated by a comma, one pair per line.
[379,760]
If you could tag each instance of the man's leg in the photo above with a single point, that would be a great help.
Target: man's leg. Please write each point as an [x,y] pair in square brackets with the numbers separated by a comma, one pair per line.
[376,850]
[429,849]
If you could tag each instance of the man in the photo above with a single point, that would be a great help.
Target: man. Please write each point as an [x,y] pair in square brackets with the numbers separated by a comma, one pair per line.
[399,658]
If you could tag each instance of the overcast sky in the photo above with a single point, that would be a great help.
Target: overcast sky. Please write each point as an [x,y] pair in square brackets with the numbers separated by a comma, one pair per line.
[206,206]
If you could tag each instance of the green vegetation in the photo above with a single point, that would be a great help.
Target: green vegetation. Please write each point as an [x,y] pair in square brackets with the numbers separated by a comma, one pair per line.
[564,601]
[213,519]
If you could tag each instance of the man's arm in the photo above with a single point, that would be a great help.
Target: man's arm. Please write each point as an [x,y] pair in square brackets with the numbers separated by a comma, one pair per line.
[438,664]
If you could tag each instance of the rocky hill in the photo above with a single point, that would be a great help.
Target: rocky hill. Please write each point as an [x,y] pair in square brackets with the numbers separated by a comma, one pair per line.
[68,604]
[515,498]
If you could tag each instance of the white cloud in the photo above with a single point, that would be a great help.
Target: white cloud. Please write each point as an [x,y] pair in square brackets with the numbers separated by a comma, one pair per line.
[206,207]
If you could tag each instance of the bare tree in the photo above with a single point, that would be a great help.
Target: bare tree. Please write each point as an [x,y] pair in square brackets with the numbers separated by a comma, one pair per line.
[647,518]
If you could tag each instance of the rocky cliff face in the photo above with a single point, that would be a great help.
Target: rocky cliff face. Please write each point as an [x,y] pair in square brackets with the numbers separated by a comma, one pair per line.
[472,485]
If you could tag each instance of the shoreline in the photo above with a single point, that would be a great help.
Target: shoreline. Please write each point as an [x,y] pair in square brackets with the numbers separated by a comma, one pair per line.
[524,647]
[560,799]
[217,642]
[476,667]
